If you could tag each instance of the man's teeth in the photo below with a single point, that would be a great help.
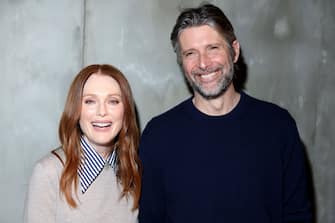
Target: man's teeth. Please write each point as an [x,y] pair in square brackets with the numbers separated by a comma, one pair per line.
[208,75]
[101,124]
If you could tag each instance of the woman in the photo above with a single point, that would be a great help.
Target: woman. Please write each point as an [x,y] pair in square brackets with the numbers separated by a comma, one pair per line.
[95,175]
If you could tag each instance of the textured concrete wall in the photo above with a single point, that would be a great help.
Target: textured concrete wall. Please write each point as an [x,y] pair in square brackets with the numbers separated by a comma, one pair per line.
[40,51]
[287,46]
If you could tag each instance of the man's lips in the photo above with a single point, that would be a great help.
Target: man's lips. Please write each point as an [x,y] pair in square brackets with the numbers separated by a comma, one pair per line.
[208,76]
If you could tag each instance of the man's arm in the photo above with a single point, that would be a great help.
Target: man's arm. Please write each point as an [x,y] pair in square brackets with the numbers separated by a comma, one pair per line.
[296,200]
[152,203]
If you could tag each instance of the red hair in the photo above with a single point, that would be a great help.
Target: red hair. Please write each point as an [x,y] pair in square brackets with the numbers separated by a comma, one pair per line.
[127,141]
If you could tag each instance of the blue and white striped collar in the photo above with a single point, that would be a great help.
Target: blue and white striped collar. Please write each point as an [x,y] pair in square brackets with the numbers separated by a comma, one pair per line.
[92,164]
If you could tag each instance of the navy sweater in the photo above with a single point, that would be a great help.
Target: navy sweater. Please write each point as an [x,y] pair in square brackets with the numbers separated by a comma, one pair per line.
[246,166]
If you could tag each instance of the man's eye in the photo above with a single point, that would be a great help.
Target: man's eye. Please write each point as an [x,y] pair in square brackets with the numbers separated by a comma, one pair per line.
[214,47]
[189,54]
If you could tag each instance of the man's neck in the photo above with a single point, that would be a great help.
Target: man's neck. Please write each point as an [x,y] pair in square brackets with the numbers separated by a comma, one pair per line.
[218,106]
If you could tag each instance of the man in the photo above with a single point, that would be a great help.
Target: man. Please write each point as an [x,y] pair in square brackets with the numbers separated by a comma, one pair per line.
[220,156]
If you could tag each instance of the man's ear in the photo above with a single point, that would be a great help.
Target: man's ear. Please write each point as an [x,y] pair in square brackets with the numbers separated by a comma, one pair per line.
[236,48]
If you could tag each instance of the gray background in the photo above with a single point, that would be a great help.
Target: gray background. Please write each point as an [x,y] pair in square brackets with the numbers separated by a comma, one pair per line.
[287,45]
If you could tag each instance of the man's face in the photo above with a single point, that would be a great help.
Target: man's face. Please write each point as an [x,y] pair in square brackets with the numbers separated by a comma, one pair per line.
[206,60]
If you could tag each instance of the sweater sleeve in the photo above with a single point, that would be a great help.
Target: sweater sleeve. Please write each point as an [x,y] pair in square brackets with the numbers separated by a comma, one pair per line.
[152,203]
[40,205]
[296,200]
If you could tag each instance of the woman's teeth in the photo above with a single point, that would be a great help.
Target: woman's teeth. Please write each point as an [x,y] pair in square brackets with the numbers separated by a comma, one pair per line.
[101,124]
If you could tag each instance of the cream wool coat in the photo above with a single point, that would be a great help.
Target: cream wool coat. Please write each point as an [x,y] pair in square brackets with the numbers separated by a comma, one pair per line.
[100,203]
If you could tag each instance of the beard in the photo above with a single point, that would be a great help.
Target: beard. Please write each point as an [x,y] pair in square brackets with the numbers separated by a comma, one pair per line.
[221,85]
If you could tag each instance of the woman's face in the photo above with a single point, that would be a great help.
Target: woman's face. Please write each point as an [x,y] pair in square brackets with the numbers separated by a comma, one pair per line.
[102,111]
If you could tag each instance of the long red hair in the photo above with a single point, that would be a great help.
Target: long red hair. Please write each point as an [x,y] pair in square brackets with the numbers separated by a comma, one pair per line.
[127,141]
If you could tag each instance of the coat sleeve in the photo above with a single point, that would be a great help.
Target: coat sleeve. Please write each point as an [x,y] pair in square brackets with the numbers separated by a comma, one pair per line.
[40,204]
[152,202]
[296,199]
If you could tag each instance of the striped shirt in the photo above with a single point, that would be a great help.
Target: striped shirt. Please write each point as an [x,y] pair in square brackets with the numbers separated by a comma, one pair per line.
[92,164]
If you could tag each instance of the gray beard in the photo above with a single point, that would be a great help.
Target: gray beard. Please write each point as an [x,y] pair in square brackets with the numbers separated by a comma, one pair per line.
[222,86]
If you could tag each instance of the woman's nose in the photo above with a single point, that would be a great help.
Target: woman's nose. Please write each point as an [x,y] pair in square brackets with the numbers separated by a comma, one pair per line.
[101,110]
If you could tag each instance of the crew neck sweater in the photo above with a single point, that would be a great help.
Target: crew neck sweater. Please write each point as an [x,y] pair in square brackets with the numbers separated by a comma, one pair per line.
[245,166]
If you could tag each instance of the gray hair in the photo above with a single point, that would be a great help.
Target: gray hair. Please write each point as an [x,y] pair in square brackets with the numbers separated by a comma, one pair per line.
[205,14]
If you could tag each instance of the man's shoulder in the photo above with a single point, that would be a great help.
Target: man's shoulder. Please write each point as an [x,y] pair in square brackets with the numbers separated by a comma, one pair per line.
[265,109]
[173,114]
[168,120]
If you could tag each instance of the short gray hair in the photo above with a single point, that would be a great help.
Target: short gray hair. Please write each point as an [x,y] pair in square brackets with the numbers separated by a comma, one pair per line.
[205,14]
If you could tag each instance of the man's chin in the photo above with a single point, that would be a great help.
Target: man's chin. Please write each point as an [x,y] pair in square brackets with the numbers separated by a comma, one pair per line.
[207,94]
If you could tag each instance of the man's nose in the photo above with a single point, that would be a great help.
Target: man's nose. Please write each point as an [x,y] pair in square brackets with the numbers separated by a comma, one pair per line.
[204,61]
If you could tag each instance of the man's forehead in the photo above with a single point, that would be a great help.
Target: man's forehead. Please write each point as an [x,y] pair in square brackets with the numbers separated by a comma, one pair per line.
[199,36]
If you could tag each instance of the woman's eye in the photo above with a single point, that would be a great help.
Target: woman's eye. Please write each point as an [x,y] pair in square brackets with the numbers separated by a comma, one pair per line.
[114,102]
[89,101]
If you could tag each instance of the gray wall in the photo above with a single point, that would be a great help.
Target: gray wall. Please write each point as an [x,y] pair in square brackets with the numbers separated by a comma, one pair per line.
[287,46]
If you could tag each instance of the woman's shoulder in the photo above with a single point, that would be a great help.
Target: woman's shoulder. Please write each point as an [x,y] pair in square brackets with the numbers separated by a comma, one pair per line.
[51,162]
[46,173]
